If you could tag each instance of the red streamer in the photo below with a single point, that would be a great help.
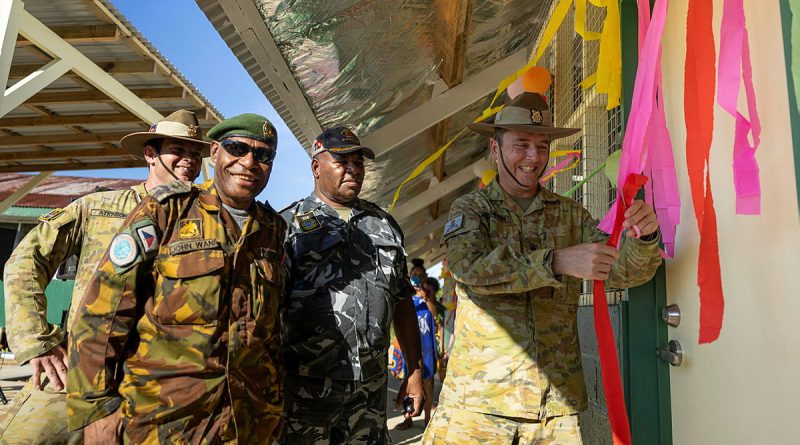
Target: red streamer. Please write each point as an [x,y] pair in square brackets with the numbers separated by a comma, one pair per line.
[698,97]
[609,362]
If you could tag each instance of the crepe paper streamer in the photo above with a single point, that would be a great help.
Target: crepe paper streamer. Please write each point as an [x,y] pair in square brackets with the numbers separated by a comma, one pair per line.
[662,191]
[612,165]
[569,192]
[734,66]
[572,161]
[634,144]
[698,97]
[609,363]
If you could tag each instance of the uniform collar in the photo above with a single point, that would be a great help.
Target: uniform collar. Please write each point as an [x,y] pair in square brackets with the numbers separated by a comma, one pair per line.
[496,193]
[312,203]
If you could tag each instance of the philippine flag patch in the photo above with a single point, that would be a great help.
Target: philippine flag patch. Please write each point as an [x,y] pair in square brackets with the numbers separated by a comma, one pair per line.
[148,237]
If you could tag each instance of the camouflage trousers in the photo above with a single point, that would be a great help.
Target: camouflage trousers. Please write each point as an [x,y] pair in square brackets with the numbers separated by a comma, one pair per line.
[332,412]
[37,417]
[456,426]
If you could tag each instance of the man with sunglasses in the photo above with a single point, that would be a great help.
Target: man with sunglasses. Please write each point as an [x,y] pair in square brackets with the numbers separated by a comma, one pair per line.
[173,149]
[179,327]
[348,276]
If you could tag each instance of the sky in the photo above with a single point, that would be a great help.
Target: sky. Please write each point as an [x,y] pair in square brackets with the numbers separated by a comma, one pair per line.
[183,34]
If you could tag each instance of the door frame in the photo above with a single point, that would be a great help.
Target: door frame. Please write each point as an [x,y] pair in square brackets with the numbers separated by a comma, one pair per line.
[645,377]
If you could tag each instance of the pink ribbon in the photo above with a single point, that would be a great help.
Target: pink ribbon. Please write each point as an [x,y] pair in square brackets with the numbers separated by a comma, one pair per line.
[734,66]
[562,165]
[647,146]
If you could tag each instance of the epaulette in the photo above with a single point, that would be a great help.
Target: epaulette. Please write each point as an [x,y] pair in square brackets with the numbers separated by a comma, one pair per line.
[289,206]
[162,192]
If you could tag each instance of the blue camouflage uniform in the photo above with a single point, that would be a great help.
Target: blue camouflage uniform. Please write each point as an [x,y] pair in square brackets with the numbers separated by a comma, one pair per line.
[345,278]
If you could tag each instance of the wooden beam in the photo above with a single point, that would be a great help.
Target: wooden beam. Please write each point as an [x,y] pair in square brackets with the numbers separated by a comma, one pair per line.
[435,227]
[62,154]
[454,23]
[449,185]
[71,166]
[111,67]
[81,119]
[98,96]
[59,139]
[439,139]
[22,191]
[81,34]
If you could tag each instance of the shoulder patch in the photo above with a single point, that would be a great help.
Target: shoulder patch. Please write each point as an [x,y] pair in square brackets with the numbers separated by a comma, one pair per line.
[163,192]
[148,238]
[454,224]
[51,215]
[308,222]
[123,250]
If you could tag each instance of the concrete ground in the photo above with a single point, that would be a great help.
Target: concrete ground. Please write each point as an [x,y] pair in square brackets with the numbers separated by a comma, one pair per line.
[13,377]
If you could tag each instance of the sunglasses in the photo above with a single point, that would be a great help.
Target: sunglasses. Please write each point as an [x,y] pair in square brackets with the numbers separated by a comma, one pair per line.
[264,155]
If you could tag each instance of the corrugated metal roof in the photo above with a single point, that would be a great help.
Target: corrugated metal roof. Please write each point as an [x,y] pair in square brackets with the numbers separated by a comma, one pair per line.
[57,191]
[34,133]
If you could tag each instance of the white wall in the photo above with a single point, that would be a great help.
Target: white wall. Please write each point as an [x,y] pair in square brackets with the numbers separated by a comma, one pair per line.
[745,387]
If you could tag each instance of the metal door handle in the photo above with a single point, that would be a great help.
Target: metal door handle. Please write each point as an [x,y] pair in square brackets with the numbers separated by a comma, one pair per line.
[672,353]
[671,315]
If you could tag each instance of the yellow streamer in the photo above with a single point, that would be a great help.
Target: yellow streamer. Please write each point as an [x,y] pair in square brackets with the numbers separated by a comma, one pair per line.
[608,77]
[555,172]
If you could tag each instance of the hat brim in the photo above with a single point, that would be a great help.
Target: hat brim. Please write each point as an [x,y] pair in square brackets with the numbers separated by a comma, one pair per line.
[134,142]
[487,129]
[366,151]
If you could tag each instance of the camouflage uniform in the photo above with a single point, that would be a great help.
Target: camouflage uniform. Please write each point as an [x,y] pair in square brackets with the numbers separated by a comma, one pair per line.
[179,326]
[84,227]
[516,353]
[345,279]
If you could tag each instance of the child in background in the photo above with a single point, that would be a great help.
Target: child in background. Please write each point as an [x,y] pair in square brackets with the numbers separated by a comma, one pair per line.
[427,334]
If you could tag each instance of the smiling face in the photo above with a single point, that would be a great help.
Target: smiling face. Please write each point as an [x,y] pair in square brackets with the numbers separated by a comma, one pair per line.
[525,156]
[338,178]
[182,157]
[239,179]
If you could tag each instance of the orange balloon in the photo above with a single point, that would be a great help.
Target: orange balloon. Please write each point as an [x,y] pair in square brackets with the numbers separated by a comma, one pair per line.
[536,80]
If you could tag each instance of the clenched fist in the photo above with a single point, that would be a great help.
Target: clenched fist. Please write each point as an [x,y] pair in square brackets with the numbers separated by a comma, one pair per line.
[589,261]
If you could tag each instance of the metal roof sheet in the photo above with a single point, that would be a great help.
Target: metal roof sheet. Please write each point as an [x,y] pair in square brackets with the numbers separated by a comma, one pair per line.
[70,106]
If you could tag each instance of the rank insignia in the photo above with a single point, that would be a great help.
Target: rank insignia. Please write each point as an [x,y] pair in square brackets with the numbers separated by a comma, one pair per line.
[51,215]
[123,250]
[148,238]
[536,117]
[453,225]
[191,228]
[308,222]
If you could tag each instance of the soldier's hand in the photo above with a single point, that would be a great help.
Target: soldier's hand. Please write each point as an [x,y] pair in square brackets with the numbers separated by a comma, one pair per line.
[54,364]
[107,430]
[411,387]
[589,261]
[642,217]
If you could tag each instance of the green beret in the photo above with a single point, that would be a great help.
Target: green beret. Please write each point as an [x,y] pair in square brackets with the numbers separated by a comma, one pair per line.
[246,125]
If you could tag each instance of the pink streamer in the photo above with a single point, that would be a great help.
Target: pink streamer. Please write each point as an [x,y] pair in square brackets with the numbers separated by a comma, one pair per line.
[570,158]
[734,66]
[647,146]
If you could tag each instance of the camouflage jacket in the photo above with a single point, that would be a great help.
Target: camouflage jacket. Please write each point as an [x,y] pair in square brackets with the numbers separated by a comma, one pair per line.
[180,324]
[516,349]
[345,278]
[84,227]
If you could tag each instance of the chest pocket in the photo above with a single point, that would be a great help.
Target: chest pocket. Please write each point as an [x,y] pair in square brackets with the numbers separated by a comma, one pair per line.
[316,258]
[189,287]
[268,282]
[387,250]
[503,229]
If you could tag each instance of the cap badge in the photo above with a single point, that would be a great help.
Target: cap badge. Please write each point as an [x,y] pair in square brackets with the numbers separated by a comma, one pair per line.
[536,117]
[348,134]
[268,133]
[192,131]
